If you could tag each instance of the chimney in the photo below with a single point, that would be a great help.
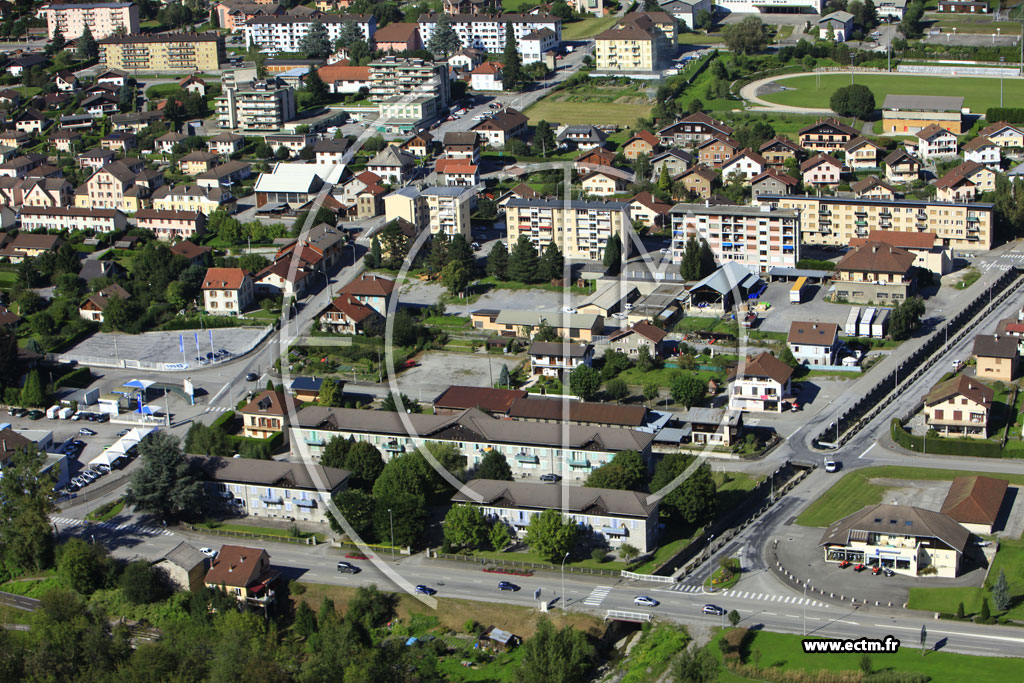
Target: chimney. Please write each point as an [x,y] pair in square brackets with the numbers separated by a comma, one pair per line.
[996,337]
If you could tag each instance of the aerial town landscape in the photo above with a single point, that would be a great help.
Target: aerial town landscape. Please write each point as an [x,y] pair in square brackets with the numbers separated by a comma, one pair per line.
[513,341]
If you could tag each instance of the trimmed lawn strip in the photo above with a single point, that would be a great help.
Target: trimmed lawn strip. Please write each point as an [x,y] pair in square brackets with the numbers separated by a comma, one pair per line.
[577,113]
[1009,559]
[979,93]
[533,557]
[586,28]
[785,652]
[259,530]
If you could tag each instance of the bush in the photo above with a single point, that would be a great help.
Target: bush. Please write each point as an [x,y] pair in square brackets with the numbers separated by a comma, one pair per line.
[1008,114]
[598,555]
[943,446]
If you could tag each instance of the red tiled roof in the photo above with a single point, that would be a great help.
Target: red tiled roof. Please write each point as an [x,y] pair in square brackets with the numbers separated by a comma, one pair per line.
[235,566]
[351,307]
[898,238]
[270,403]
[975,500]
[877,257]
[369,285]
[458,397]
[223,278]
[337,72]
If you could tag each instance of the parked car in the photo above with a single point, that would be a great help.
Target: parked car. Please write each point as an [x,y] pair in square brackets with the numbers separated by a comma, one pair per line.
[103,417]
[77,416]
[209,552]
[644,601]
[844,564]
[889,572]
[348,568]
[876,570]
[830,465]
[72,486]
[713,609]
[85,431]
[425,590]
[103,468]
[550,477]
[251,377]
[507,586]
[36,415]
[123,432]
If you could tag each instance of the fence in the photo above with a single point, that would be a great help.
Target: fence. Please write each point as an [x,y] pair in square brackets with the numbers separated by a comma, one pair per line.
[882,394]
[647,577]
[958,70]
[246,534]
[482,561]
[623,615]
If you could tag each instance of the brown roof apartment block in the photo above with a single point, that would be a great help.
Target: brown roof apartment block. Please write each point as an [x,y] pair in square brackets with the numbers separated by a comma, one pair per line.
[877,257]
[995,346]
[370,285]
[766,365]
[223,278]
[459,397]
[552,409]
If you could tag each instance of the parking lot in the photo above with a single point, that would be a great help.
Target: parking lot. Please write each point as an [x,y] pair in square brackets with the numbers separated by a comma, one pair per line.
[164,347]
[436,370]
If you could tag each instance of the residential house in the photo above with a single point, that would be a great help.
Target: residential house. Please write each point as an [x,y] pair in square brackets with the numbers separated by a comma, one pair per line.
[1004,134]
[370,202]
[166,142]
[119,142]
[693,130]
[997,357]
[873,188]
[698,180]
[193,198]
[594,159]
[610,517]
[553,359]
[773,182]
[456,173]
[582,137]
[371,290]
[46,193]
[828,135]
[643,142]
[714,426]
[266,414]
[902,167]
[955,186]
[67,141]
[716,150]
[331,151]
[392,165]
[487,77]
[835,27]
[347,315]
[821,170]
[875,272]
[196,255]
[983,151]
[640,336]
[94,305]
[675,161]
[814,343]
[280,279]
[244,573]
[959,407]
[398,37]
[862,154]
[96,158]
[497,130]
[747,164]
[929,252]
[183,566]
[197,162]
[761,384]
[227,291]
[466,60]
[513,323]
[354,185]
[306,389]
[645,209]
[975,502]
[193,84]
[935,142]
[225,175]
[420,145]
[462,145]
[778,150]
[539,46]
[224,144]
[32,121]
[603,183]
[70,219]
[66,81]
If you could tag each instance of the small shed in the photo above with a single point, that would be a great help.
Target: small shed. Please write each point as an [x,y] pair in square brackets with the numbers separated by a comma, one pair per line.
[500,640]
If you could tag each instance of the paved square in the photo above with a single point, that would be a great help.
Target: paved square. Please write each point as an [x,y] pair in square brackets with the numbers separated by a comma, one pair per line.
[163,347]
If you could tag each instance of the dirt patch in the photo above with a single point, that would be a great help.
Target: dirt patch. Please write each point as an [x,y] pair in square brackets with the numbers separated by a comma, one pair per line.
[454,614]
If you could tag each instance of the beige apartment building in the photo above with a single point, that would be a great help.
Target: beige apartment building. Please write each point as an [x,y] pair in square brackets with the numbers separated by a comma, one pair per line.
[265,105]
[449,209]
[639,42]
[408,204]
[836,220]
[227,291]
[758,237]
[959,407]
[102,18]
[580,228]
[177,52]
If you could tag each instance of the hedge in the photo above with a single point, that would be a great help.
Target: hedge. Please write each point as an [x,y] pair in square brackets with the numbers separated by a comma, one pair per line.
[815,264]
[1008,114]
[260,449]
[224,420]
[944,446]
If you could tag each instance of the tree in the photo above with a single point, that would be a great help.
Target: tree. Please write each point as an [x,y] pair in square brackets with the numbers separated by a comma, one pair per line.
[465,527]
[512,76]
[87,46]
[32,394]
[206,440]
[689,268]
[612,260]
[695,665]
[499,535]
[555,656]
[357,507]
[523,262]
[455,278]
[707,259]
[141,583]
[390,403]
[616,389]
[746,37]
[305,619]
[330,393]
[960,610]
[550,536]
[58,42]
[349,35]
[444,38]
[438,256]
[1001,592]
[787,357]
[8,357]
[704,20]
[615,362]
[551,263]
[687,390]
[651,391]
[627,471]
[853,100]
[127,99]
[165,484]
[910,25]
[401,516]
[584,382]
[394,245]
[460,252]
[905,319]
[316,87]
[865,664]
[694,498]
[664,180]
[497,262]
[316,44]
[373,259]
[734,618]
[628,552]
[543,139]
[83,566]
[494,465]
[26,498]
[504,378]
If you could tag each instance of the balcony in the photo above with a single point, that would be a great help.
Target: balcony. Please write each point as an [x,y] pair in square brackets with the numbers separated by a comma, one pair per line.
[860,223]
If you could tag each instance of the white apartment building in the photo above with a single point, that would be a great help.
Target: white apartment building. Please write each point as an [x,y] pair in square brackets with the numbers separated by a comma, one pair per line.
[934,142]
[102,18]
[265,105]
[392,77]
[753,236]
[273,34]
[449,210]
[69,219]
[534,45]
[761,384]
[580,228]
[488,33]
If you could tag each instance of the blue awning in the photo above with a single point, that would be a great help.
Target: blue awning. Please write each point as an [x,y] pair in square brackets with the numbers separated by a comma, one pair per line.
[613,531]
[579,463]
[523,457]
[305,503]
[272,500]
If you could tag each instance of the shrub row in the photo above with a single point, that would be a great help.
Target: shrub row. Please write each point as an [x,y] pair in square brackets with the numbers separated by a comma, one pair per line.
[944,446]
[1008,114]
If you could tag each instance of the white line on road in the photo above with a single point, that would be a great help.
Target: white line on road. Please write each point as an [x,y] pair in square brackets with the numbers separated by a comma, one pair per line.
[866,451]
[960,633]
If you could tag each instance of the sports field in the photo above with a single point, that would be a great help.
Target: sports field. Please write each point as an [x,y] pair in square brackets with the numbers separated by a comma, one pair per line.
[979,93]
[587,28]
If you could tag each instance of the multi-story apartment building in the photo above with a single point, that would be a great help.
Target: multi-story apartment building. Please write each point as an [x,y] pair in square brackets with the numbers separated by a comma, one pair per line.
[273,34]
[758,237]
[407,204]
[102,18]
[227,291]
[392,77]
[641,41]
[530,448]
[192,198]
[827,136]
[761,384]
[935,141]
[579,228]
[264,105]
[177,52]
[70,219]
[487,33]
[693,130]
[836,220]
[172,225]
[449,209]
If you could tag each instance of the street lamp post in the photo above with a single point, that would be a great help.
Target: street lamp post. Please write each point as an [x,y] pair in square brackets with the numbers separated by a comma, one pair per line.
[563,580]
[392,520]
[805,609]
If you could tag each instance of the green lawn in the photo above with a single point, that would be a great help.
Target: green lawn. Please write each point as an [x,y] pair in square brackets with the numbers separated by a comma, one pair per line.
[587,28]
[785,652]
[1010,559]
[969,277]
[979,93]
[259,530]
[623,114]
[527,556]
[700,39]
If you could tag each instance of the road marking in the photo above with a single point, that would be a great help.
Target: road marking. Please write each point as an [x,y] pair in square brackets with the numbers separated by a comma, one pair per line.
[772,613]
[866,451]
[958,633]
[597,596]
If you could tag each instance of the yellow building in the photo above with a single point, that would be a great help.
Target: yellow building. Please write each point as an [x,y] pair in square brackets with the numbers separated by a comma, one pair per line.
[192,198]
[640,42]
[913,113]
[448,209]
[836,220]
[409,204]
[178,52]
[959,407]
[579,228]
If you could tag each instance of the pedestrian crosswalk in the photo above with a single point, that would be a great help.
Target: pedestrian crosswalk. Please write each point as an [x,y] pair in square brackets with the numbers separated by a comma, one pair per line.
[114,526]
[597,596]
[751,595]
[217,409]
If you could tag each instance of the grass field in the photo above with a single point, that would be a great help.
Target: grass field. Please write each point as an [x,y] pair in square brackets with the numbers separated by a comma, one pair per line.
[785,652]
[979,93]
[1010,559]
[576,112]
[588,28]
[700,39]
[854,491]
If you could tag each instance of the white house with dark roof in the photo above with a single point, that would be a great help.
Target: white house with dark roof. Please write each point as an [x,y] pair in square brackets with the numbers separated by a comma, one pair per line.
[761,384]
[814,343]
